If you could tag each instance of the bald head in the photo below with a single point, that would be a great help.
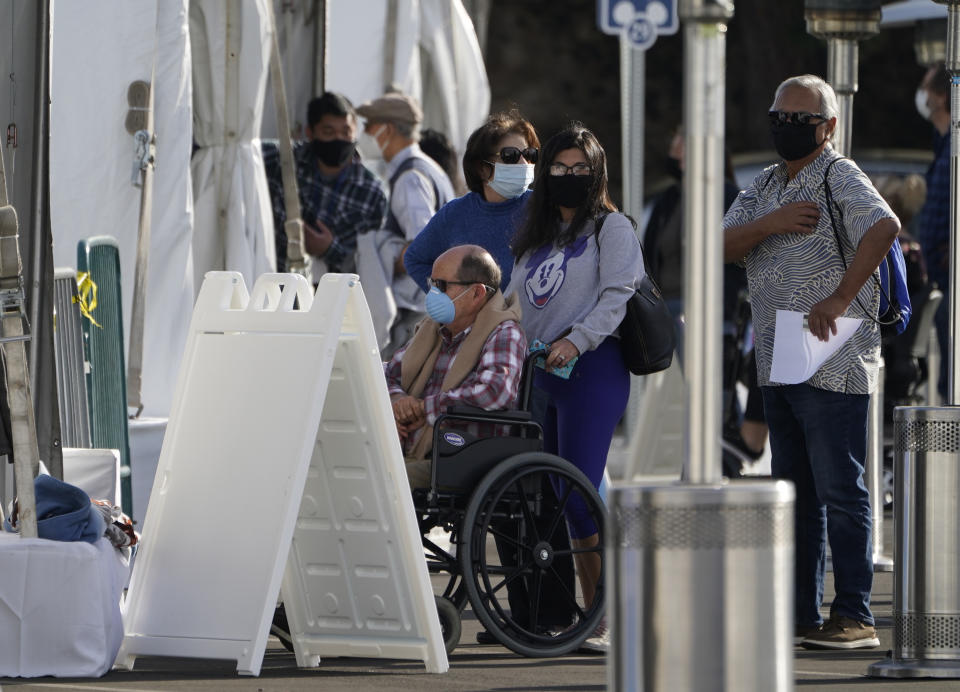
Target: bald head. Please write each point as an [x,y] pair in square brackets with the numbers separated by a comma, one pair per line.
[472,264]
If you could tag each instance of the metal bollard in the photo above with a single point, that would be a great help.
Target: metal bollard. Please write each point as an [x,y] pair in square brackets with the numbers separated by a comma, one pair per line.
[873,474]
[700,585]
[926,586]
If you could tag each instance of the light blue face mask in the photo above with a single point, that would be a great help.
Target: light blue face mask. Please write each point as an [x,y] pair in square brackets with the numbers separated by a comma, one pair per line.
[440,307]
[511,180]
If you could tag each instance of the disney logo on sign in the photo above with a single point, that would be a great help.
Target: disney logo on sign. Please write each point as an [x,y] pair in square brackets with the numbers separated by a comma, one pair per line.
[640,21]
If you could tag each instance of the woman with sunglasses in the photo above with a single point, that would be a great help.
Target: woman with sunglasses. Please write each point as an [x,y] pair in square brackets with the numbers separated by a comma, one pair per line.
[498,167]
[573,283]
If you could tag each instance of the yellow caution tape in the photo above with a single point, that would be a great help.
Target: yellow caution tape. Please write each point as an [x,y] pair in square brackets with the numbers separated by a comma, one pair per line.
[88,296]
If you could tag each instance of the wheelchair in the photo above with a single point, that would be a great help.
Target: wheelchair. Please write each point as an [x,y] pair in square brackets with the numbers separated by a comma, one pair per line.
[502,499]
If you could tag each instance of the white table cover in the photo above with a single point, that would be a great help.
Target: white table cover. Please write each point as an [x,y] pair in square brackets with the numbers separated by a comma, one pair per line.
[59,606]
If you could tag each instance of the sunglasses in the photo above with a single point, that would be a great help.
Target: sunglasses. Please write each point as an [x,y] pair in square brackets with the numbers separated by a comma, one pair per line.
[780,118]
[511,155]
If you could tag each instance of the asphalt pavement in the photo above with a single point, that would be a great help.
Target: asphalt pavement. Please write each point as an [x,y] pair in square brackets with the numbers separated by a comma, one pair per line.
[474,667]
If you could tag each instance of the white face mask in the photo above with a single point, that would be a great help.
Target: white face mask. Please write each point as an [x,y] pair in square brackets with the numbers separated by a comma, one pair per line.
[369,145]
[923,107]
[511,180]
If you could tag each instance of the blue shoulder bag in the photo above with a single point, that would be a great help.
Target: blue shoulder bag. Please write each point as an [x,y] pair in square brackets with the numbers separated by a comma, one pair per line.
[895,308]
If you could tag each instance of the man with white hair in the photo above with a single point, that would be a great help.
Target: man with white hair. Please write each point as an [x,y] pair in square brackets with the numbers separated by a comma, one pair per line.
[811,231]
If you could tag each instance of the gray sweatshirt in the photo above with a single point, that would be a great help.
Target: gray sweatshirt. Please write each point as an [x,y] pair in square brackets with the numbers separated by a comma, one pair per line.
[577,287]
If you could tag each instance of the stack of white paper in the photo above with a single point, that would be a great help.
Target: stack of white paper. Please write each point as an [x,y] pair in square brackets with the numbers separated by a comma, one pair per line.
[798,354]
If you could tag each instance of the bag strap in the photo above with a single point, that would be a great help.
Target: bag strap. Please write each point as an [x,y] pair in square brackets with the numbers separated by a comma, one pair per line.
[598,224]
[828,194]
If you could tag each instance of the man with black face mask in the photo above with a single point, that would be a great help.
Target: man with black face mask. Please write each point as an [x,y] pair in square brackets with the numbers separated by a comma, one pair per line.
[339,197]
[797,259]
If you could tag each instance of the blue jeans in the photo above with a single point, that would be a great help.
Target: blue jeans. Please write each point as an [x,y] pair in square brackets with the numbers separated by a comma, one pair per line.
[818,440]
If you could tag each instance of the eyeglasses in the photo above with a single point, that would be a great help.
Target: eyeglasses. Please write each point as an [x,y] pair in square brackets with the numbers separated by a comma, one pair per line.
[780,118]
[441,284]
[577,169]
[512,155]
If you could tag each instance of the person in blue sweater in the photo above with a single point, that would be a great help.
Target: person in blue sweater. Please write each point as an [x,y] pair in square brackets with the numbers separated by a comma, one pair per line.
[498,166]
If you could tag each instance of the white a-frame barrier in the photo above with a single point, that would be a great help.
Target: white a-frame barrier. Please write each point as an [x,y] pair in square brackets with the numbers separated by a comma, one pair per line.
[281,433]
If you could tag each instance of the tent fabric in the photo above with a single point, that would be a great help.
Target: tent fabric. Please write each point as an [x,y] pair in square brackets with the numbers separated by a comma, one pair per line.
[437,60]
[91,160]
[456,93]
[297,31]
[221,104]
[233,221]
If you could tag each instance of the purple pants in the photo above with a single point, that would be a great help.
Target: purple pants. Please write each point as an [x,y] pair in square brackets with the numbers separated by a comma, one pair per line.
[581,416]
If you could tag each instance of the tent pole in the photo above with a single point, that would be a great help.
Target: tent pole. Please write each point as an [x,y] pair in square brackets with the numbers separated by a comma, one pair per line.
[39,178]
[293,226]
[320,47]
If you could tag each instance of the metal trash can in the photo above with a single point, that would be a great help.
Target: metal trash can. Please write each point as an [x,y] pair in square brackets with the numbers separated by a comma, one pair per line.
[926,587]
[700,587]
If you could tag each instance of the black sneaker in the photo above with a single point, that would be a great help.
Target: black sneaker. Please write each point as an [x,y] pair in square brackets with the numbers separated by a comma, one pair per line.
[734,439]
[484,637]
[801,632]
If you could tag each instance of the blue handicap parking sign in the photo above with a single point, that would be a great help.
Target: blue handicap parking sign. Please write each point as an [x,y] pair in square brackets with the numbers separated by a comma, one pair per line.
[641,21]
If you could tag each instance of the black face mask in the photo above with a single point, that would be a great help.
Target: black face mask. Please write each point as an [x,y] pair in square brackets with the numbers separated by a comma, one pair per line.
[333,153]
[673,168]
[794,141]
[570,190]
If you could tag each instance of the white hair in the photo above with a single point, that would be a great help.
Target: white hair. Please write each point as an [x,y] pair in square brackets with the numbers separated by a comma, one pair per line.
[829,107]
[407,130]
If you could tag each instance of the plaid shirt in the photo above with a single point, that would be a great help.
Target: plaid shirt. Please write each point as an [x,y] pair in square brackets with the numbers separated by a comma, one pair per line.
[493,383]
[933,224]
[351,203]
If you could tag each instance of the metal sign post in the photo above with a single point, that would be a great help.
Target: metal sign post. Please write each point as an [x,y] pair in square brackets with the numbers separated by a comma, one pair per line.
[680,555]
[637,23]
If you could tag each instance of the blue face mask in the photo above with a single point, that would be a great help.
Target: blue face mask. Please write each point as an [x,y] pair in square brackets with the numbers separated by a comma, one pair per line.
[511,180]
[440,307]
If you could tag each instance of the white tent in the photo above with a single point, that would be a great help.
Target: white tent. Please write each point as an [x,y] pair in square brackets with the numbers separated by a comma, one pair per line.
[211,76]
[230,43]
[98,48]
[436,58]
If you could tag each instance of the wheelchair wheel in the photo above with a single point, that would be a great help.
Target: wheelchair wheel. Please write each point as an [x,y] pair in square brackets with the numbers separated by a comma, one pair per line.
[450,624]
[508,543]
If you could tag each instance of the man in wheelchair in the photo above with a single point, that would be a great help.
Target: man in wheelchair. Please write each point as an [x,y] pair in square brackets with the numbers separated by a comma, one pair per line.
[501,497]
[468,351]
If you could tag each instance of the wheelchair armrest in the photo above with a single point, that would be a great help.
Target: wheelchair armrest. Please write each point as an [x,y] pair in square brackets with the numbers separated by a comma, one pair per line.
[505,416]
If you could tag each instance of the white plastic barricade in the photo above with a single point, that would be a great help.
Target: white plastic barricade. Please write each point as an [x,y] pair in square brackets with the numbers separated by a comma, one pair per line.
[269,394]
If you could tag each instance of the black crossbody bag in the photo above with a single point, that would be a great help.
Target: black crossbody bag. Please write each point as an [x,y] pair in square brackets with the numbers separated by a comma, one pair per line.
[647,336]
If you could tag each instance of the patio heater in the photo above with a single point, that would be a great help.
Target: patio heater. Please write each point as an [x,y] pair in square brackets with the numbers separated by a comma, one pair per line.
[842,23]
[929,41]
[926,585]
[700,573]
